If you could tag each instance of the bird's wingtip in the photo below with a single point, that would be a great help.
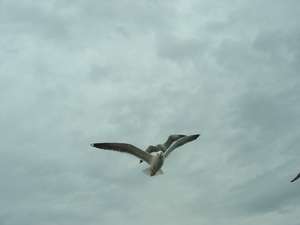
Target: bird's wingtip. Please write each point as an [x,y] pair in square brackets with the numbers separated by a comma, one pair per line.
[92,145]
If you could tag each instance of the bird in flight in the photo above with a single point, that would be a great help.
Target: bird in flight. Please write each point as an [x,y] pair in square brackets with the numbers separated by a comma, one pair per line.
[155,161]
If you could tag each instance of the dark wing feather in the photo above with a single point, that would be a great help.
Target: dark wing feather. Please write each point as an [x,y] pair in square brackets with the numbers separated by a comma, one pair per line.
[126,148]
[296,178]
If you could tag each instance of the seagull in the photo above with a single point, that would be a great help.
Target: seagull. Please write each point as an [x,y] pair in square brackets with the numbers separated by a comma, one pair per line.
[165,146]
[155,161]
[296,178]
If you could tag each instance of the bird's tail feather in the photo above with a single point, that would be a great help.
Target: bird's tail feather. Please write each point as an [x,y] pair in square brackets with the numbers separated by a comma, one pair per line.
[159,172]
[149,172]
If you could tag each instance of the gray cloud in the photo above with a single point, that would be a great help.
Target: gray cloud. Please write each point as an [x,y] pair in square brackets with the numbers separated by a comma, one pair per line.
[75,73]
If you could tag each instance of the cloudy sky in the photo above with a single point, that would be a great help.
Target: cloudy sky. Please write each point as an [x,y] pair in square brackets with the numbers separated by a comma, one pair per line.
[78,72]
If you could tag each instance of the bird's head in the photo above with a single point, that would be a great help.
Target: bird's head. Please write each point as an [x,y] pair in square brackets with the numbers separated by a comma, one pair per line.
[160,153]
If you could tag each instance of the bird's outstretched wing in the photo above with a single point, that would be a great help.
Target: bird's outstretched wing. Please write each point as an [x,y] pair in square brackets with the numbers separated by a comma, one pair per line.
[296,178]
[165,146]
[181,142]
[152,148]
[172,138]
[126,148]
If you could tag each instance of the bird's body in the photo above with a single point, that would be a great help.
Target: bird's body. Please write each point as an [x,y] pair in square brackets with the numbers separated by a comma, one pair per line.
[155,161]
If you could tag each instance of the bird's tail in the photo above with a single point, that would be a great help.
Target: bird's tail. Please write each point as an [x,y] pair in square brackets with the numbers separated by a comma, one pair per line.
[148,171]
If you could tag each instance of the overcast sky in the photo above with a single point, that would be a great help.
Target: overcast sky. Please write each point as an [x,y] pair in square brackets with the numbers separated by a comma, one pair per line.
[78,72]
